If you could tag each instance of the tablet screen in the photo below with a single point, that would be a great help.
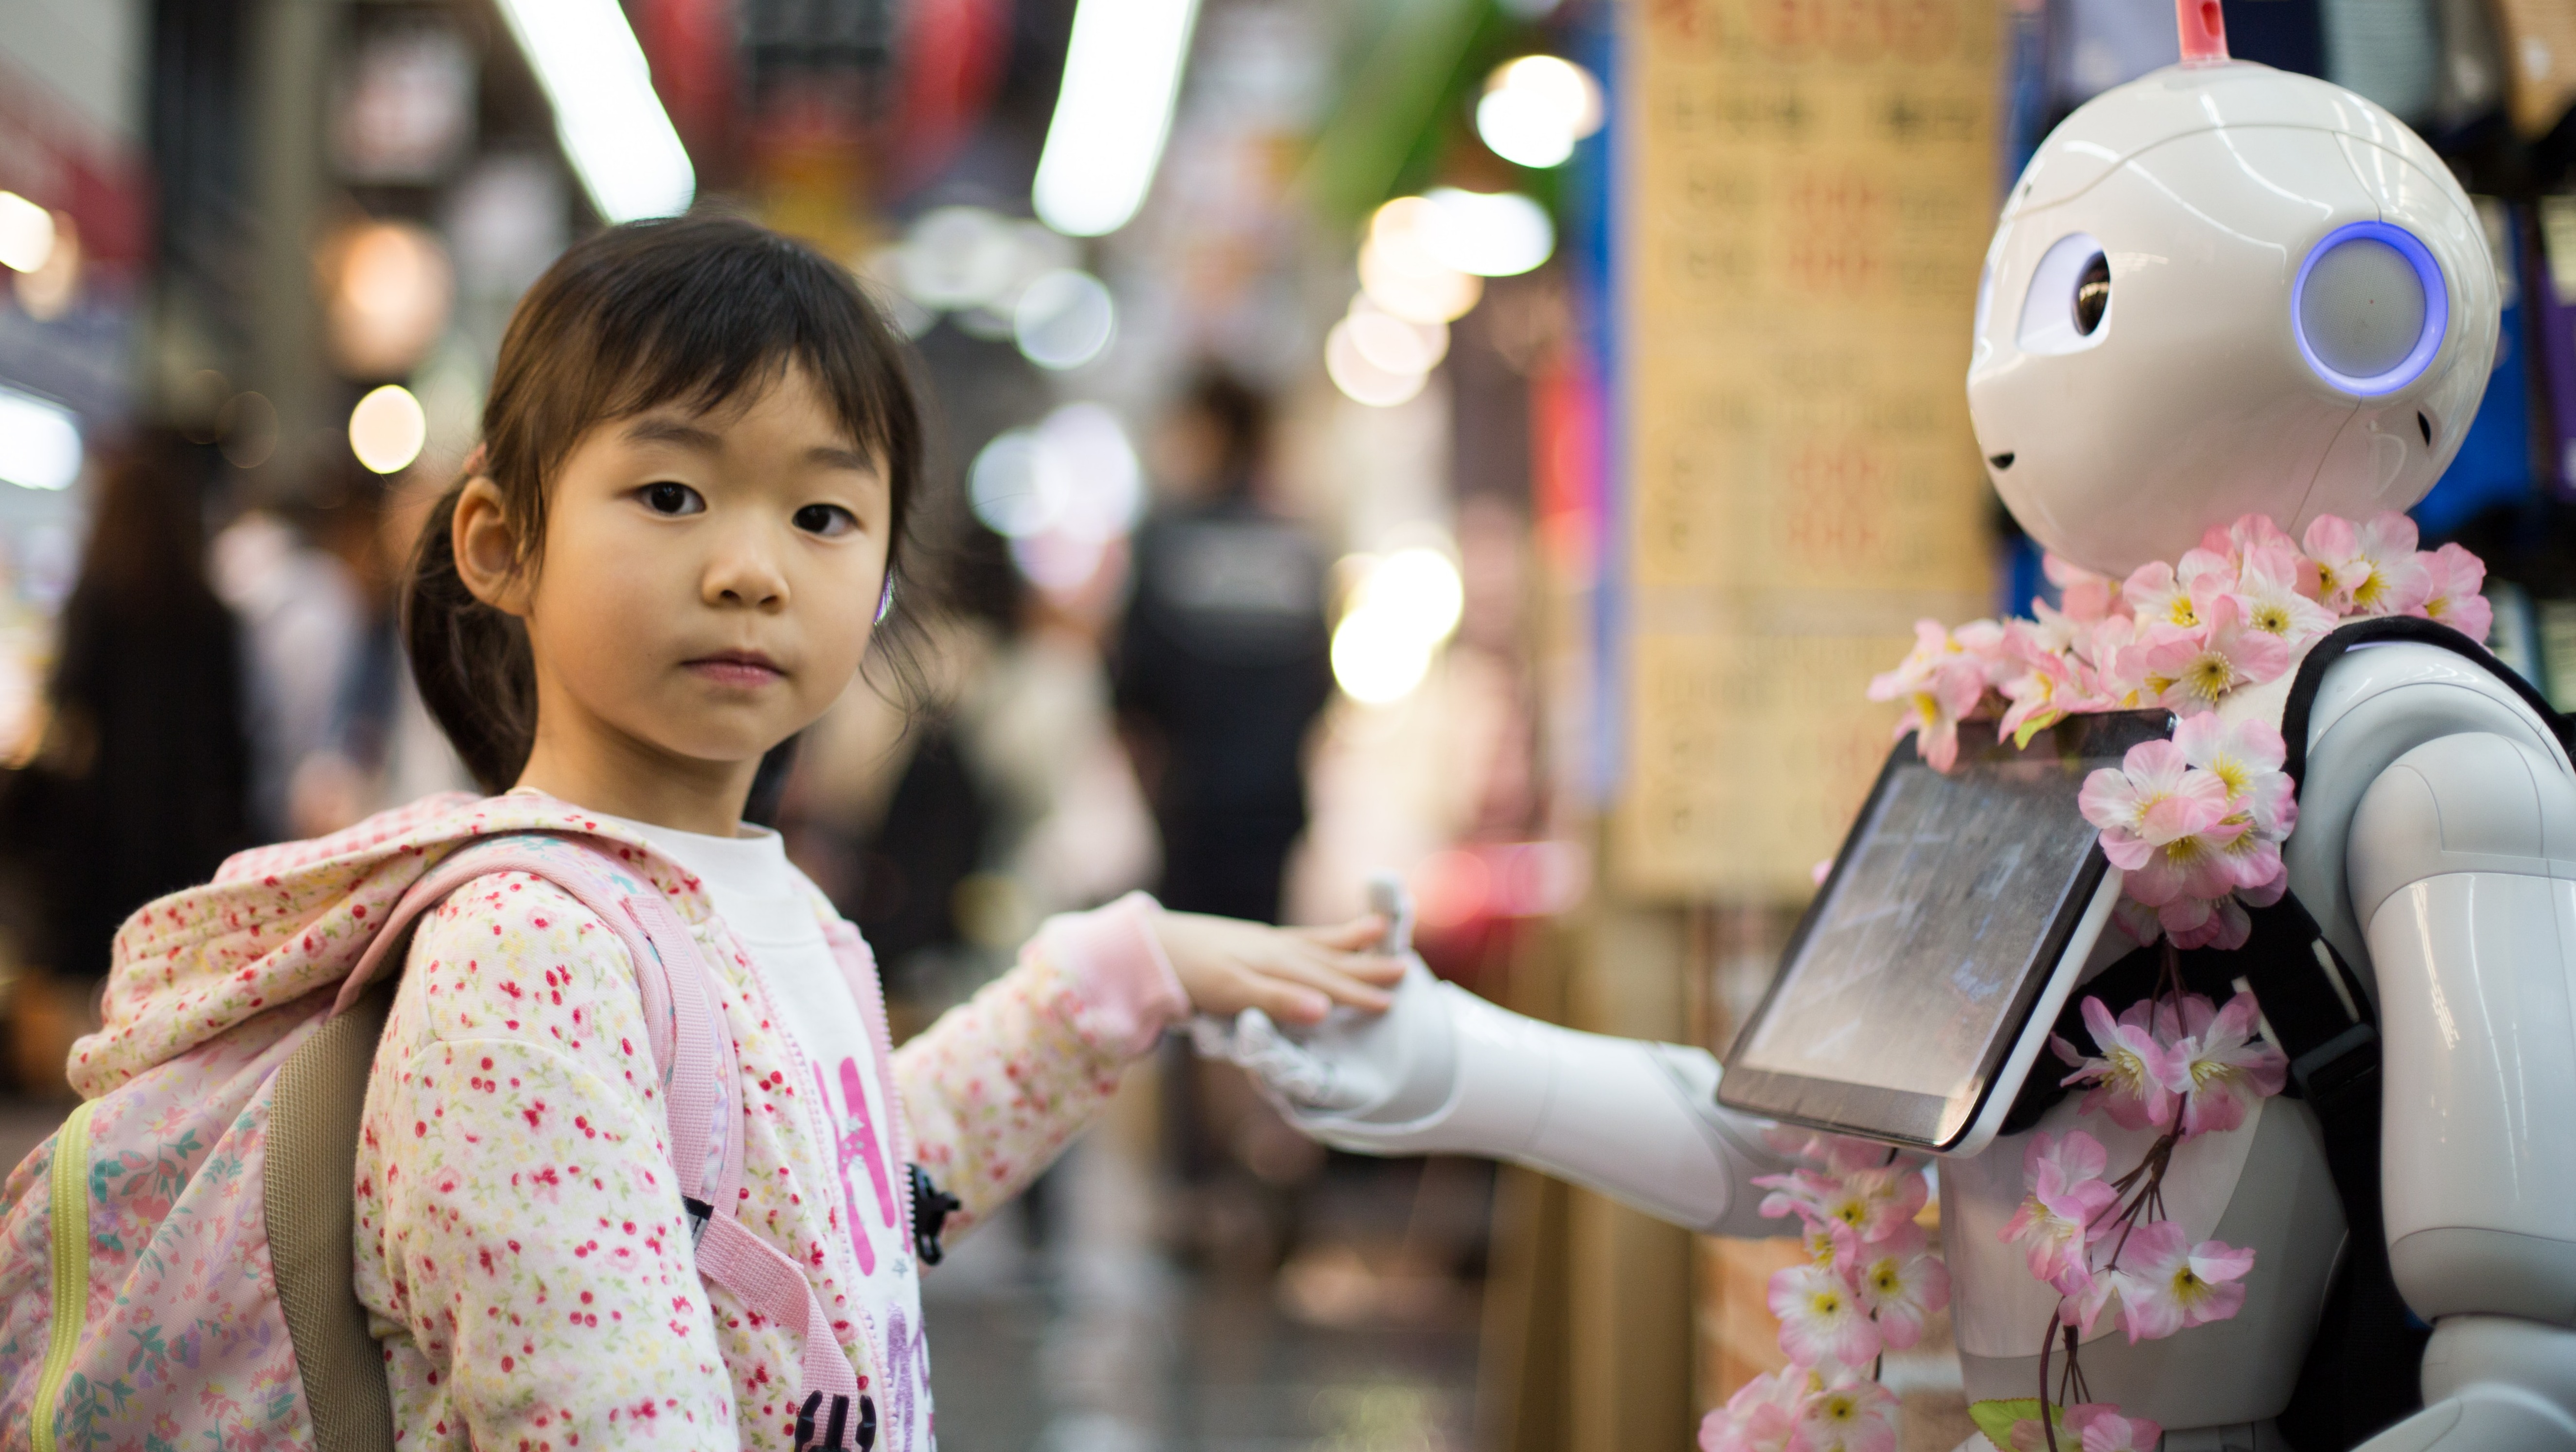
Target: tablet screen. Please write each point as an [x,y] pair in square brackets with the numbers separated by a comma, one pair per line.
[1913,971]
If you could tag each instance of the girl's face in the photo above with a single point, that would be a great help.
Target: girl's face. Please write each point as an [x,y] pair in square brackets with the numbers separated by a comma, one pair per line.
[708,582]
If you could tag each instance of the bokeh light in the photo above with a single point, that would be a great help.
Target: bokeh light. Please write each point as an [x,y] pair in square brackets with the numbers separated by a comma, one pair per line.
[1400,272]
[1075,474]
[389,289]
[1401,608]
[387,429]
[1064,319]
[1360,377]
[1536,108]
[1490,234]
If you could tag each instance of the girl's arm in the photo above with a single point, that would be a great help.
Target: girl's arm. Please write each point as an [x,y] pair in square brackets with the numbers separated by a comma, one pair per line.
[992,1091]
[521,1244]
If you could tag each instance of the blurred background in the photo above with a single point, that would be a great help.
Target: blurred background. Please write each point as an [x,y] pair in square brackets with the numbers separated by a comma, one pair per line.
[1491,441]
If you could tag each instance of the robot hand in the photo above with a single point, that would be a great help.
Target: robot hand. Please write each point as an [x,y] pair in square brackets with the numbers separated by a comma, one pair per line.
[1445,1072]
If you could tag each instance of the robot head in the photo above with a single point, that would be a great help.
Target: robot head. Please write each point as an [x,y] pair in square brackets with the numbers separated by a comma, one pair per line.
[2220,290]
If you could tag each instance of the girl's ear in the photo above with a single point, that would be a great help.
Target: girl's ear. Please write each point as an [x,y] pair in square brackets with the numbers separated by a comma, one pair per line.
[487,549]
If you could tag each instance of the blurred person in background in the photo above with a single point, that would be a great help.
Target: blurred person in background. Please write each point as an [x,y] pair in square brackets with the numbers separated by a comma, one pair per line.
[141,785]
[1221,667]
[1223,660]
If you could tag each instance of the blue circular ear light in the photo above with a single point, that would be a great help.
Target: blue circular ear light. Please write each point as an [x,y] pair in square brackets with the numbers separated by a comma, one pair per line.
[2369,308]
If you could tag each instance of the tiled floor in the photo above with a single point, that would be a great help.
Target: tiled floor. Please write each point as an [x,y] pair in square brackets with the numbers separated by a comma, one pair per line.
[1100,1344]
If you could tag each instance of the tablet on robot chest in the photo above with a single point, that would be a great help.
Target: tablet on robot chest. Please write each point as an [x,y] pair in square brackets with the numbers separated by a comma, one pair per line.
[1904,1005]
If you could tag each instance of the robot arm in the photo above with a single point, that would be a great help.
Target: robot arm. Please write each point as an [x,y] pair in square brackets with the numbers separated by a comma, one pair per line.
[2462,868]
[1445,1072]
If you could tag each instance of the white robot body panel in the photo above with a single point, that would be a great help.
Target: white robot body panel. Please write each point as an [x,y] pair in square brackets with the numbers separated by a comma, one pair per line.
[2220,291]
[2230,1373]
[2376,704]
[2463,865]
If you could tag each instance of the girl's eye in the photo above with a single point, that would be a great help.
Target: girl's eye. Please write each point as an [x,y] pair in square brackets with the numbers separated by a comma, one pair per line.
[830,521]
[669,498]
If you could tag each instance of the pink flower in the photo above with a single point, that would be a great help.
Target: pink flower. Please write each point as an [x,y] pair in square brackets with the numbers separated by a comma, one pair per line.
[2454,577]
[1900,1282]
[2042,695]
[2168,1284]
[2085,596]
[2372,570]
[1940,682]
[2269,583]
[2249,533]
[2133,1079]
[2194,668]
[2067,1194]
[2137,920]
[2209,922]
[1838,1153]
[1850,1413]
[2100,1428]
[1821,1318]
[2246,758]
[2216,1069]
[2151,798]
[1762,1416]
[2161,595]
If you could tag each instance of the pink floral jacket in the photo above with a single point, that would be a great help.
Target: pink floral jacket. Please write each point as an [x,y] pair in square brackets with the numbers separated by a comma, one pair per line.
[520,1243]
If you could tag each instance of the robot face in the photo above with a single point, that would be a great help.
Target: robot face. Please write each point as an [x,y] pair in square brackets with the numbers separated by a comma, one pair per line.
[2222,290]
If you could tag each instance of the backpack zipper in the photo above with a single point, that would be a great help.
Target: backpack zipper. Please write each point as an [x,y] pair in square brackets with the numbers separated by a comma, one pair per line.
[67,1204]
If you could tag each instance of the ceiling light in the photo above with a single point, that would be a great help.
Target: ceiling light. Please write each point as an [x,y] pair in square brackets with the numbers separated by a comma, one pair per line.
[611,124]
[40,442]
[1122,70]
[26,233]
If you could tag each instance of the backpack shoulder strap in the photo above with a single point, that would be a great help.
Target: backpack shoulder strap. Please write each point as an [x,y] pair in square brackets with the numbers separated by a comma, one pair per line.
[694,1053]
[2311,677]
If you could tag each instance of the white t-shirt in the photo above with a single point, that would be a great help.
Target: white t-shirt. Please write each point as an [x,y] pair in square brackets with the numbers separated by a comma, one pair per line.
[768,904]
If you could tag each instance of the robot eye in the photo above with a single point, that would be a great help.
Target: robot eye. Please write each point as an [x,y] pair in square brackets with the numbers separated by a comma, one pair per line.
[2092,294]
[2370,308]
[2068,307]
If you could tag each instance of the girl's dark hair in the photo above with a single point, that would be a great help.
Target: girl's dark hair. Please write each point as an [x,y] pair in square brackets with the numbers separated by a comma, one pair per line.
[697,312]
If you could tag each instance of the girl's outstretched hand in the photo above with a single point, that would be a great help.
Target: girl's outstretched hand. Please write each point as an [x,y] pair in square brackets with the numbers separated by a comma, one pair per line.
[1295,975]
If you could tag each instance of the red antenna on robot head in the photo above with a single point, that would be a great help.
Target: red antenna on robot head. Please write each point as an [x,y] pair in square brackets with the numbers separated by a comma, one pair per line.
[2204,32]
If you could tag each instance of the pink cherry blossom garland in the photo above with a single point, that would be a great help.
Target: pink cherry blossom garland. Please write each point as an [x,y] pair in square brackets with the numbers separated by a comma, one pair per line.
[2195,823]
[1868,1284]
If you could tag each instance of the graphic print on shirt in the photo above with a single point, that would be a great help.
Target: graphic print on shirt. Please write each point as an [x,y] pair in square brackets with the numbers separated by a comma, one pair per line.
[909,1424]
[854,1139]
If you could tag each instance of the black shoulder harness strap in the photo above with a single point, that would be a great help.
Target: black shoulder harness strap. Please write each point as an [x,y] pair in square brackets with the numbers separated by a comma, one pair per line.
[2322,656]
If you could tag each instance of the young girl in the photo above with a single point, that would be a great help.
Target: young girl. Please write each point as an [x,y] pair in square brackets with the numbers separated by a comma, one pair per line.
[698,458]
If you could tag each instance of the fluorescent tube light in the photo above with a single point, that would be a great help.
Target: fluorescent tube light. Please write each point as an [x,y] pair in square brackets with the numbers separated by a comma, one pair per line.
[612,125]
[40,443]
[1122,72]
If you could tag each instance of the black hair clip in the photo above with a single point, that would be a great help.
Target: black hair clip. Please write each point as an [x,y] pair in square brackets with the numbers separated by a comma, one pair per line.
[930,1209]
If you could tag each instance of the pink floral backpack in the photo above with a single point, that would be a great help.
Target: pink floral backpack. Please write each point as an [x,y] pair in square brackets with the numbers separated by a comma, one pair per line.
[176,1262]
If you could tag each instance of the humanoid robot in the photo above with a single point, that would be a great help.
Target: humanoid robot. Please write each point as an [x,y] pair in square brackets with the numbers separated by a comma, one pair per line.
[2218,290]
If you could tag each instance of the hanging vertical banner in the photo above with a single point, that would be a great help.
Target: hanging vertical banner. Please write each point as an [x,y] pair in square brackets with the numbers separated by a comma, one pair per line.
[1809,186]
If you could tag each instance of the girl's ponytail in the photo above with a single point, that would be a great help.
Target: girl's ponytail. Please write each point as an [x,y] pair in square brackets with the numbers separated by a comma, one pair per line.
[470,660]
